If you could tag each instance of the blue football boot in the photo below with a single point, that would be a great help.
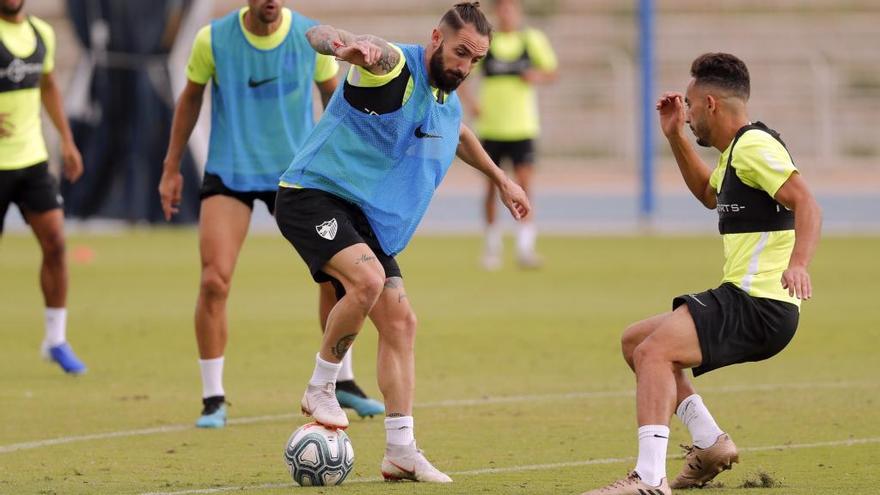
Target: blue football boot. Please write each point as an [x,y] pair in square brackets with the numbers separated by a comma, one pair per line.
[213,412]
[351,396]
[65,357]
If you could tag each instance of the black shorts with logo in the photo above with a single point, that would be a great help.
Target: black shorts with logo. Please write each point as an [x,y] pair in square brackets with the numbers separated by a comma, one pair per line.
[734,327]
[213,185]
[320,224]
[32,189]
[519,152]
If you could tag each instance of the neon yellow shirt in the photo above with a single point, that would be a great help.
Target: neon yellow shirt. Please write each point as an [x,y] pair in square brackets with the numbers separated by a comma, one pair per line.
[25,147]
[754,261]
[200,68]
[508,105]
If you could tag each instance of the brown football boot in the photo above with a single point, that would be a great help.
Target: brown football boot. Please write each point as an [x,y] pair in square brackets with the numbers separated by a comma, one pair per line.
[632,485]
[702,465]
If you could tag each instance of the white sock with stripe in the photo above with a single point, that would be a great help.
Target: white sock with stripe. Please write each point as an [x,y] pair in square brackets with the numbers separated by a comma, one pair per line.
[212,377]
[651,465]
[699,422]
[399,430]
[56,326]
[325,372]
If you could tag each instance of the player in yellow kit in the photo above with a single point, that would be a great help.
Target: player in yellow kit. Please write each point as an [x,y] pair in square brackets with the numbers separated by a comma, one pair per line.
[519,58]
[27,52]
[769,224]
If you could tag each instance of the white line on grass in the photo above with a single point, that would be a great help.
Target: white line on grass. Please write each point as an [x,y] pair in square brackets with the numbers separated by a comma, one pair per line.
[532,467]
[488,400]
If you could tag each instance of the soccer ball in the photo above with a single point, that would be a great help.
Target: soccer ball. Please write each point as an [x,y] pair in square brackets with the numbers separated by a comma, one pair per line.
[318,456]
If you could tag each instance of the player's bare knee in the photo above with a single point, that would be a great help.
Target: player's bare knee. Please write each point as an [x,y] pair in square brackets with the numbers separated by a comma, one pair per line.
[648,352]
[215,284]
[366,289]
[630,338]
[54,248]
[402,330]
[408,325]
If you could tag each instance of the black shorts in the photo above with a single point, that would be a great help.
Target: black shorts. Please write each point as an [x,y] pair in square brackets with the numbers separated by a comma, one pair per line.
[320,224]
[213,185]
[734,327]
[32,188]
[519,152]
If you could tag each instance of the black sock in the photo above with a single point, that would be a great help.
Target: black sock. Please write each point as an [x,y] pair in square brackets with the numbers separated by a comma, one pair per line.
[211,404]
[351,387]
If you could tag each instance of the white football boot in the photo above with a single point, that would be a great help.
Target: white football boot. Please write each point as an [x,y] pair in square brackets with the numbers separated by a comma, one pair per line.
[406,462]
[321,404]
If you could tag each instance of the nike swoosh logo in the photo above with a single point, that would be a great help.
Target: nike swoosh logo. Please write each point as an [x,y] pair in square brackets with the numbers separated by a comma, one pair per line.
[256,84]
[695,299]
[422,134]
[411,472]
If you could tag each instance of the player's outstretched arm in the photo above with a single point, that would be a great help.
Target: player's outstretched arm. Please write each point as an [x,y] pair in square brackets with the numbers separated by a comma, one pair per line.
[471,152]
[367,51]
[51,97]
[186,113]
[694,171]
[797,197]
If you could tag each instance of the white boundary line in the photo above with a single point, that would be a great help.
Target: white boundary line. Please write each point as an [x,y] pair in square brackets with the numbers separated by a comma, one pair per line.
[36,444]
[532,467]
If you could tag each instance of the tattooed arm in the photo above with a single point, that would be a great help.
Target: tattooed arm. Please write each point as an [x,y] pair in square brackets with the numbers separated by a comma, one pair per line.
[367,51]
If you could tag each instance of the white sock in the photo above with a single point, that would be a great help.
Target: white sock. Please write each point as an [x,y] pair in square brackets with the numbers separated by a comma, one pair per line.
[56,326]
[399,430]
[494,241]
[526,236]
[347,371]
[694,414]
[212,377]
[325,372]
[651,466]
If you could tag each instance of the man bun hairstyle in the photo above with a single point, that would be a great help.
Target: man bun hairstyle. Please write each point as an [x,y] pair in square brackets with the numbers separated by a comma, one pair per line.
[467,13]
[724,71]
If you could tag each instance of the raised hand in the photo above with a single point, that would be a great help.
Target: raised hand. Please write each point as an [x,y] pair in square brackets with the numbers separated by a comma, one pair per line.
[360,52]
[670,106]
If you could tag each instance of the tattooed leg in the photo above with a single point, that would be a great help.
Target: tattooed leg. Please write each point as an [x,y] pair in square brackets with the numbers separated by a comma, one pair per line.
[362,277]
[341,347]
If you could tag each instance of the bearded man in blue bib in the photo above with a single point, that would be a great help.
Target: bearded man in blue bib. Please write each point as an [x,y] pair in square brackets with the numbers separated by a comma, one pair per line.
[358,188]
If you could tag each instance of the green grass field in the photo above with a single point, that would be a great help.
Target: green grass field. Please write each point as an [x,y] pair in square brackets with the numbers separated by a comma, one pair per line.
[521,388]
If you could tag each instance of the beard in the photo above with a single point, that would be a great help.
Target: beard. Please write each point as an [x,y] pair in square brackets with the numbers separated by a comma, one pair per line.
[266,18]
[443,79]
[702,137]
[11,11]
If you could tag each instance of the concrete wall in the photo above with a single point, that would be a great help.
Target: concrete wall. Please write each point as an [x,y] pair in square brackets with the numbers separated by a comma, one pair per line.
[815,65]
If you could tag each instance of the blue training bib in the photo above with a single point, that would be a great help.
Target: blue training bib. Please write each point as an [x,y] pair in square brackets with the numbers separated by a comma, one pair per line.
[389,165]
[262,104]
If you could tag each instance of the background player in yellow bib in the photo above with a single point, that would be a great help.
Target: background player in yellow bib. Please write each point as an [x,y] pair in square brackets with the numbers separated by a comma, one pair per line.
[507,118]
[769,223]
[27,51]
[261,69]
